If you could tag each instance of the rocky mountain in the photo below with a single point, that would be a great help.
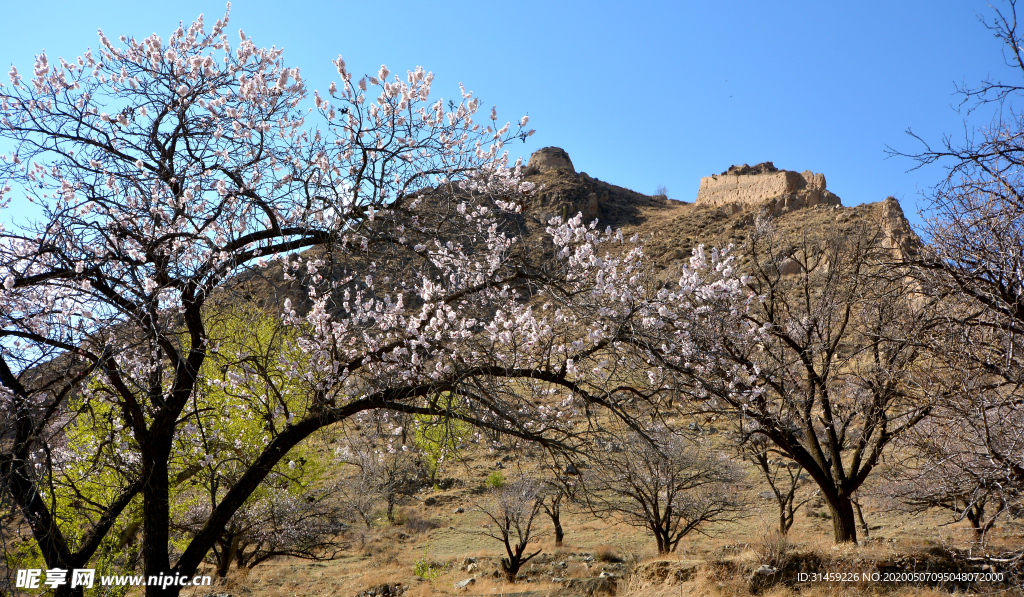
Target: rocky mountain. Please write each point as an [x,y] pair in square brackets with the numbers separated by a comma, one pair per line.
[724,210]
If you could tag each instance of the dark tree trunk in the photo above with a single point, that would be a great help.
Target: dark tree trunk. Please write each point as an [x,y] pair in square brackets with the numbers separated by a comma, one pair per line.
[555,514]
[661,535]
[844,526]
[510,567]
[156,515]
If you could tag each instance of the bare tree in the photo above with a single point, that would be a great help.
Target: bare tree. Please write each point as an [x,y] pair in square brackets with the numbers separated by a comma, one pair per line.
[669,484]
[969,459]
[512,513]
[386,471]
[552,504]
[839,374]
[780,472]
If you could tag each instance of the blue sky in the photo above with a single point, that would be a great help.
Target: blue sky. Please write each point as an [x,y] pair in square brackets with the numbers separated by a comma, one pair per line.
[640,94]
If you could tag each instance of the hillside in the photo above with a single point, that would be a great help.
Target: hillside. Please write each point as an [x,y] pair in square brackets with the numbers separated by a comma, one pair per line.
[724,211]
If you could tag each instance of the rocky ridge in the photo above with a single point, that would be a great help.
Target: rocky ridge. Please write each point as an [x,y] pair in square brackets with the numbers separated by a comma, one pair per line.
[724,211]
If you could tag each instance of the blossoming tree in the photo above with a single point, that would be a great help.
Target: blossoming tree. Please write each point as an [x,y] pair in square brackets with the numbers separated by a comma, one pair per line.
[170,172]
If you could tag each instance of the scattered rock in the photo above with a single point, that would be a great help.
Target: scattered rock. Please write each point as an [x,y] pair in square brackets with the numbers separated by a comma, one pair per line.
[385,590]
[571,470]
[766,495]
[430,501]
[471,568]
[462,584]
[763,578]
[460,510]
[790,266]
[590,586]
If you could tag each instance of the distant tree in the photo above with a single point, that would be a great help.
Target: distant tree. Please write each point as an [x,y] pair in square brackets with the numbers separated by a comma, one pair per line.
[555,493]
[277,522]
[669,485]
[511,515]
[946,465]
[781,473]
[386,471]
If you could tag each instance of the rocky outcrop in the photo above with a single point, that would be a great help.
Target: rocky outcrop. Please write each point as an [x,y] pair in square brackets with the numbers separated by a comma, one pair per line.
[564,192]
[765,186]
[550,158]
[898,235]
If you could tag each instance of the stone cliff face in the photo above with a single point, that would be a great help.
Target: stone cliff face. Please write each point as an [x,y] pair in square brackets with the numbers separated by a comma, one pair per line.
[766,186]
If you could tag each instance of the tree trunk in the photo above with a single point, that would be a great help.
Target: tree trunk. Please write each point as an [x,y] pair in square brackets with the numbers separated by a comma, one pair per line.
[556,521]
[156,515]
[510,568]
[785,520]
[860,518]
[391,508]
[662,539]
[844,526]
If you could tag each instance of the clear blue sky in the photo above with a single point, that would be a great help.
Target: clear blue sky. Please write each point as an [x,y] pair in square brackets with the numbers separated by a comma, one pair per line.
[640,94]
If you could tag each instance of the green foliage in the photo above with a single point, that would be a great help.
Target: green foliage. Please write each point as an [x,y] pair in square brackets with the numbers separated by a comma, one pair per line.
[439,436]
[244,397]
[495,480]
[426,568]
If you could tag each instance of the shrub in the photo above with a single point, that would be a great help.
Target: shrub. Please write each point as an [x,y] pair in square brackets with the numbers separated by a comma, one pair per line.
[495,480]
[428,569]
[607,553]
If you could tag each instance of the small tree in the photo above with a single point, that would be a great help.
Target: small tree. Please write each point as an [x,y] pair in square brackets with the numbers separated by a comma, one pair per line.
[966,458]
[669,484]
[555,491]
[386,472]
[512,513]
[781,473]
[279,521]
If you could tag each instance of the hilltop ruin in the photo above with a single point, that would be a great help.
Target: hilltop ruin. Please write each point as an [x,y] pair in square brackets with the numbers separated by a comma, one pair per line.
[764,185]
